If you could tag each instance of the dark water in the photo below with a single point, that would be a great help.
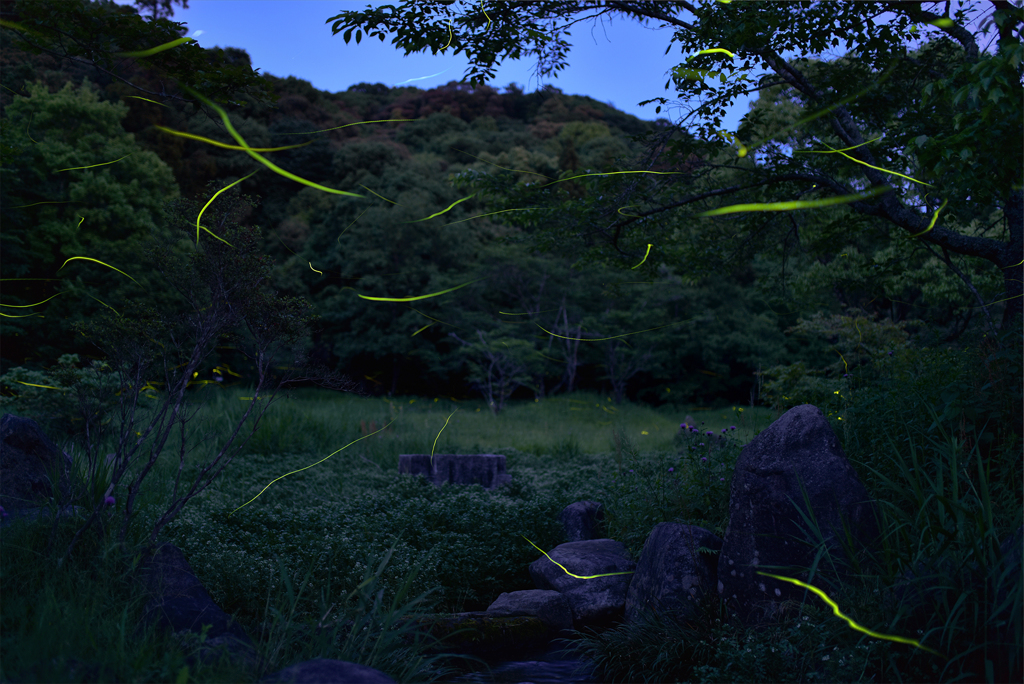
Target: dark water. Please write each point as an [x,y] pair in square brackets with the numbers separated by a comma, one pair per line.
[555,665]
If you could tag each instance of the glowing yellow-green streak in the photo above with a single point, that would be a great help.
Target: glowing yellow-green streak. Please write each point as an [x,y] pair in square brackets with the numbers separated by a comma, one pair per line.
[218,237]
[98,262]
[941,22]
[790,206]
[847,367]
[443,211]
[80,222]
[935,217]
[506,313]
[845,149]
[226,146]
[431,317]
[439,436]
[490,214]
[23,206]
[835,609]
[159,48]
[741,149]
[338,239]
[644,259]
[43,386]
[300,469]
[876,168]
[599,339]
[19,27]
[710,51]
[608,574]
[215,195]
[313,269]
[619,210]
[29,306]
[147,100]
[74,168]
[822,112]
[25,316]
[263,160]
[380,196]
[413,299]
[116,312]
[503,168]
[421,330]
[613,173]
[450,36]
[485,14]
[357,123]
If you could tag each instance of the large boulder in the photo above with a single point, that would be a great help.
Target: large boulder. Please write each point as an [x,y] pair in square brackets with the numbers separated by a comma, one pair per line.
[596,590]
[28,459]
[677,566]
[487,470]
[581,520]
[798,457]
[549,606]
[176,601]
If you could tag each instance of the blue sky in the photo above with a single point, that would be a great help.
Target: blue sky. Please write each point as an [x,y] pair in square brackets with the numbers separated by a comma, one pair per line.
[618,61]
[613,60]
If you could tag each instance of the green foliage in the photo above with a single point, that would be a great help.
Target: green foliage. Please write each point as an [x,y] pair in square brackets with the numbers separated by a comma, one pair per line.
[97,31]
[856,340]
[64,399]
[497,367]
[105,213]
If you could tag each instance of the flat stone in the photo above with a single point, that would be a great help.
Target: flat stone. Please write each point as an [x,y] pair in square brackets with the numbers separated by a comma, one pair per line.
[486,470]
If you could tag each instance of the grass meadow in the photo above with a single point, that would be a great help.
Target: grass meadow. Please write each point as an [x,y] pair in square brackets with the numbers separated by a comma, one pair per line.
[325,561]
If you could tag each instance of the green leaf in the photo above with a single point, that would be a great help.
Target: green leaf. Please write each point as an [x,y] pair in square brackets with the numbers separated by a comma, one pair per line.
[347,36]
[359,37]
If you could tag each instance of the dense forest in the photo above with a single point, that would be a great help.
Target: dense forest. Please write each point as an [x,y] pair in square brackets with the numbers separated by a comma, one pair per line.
[774,309]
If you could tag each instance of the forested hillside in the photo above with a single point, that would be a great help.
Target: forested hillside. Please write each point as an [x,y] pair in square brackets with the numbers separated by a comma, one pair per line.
[708,331]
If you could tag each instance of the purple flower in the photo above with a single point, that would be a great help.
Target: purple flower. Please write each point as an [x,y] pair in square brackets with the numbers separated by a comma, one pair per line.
[630,470]
[721,479]
[109,501]
[671,469]
[724,431]
[682,426]
[704,459]
[890,353]
[702,443]
[710,432]
[732,427]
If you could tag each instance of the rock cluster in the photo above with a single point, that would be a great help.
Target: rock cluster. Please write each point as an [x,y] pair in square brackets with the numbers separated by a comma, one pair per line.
[792,476]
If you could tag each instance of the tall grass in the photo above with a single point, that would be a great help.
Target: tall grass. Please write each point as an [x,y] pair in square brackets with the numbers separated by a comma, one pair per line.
[936,436]
[322,561]
[300,563]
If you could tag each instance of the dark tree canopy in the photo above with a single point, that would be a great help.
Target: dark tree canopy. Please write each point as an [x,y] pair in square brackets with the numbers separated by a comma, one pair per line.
[948,114]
